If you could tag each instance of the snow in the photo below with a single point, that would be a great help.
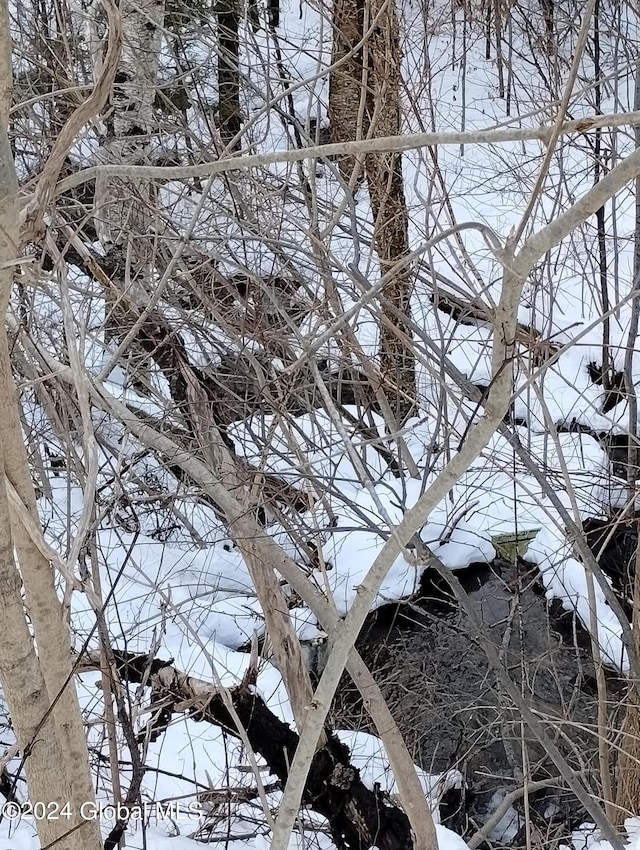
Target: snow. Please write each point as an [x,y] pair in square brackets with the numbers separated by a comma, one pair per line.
[507,827]
[190,590]
[448,839]
[368,755]
[565,579]
[587,837]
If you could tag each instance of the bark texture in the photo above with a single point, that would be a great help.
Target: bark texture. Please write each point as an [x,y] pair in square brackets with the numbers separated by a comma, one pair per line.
[124,210]
[386,190]
[229,115]
[358,817]
[348,82]
[364,101]
[38,688]
[628,768]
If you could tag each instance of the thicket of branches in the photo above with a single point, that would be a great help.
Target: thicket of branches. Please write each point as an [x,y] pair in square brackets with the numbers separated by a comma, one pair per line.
[247,310]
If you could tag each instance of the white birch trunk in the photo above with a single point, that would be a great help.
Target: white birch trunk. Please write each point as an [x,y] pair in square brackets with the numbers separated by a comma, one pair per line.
[123,210]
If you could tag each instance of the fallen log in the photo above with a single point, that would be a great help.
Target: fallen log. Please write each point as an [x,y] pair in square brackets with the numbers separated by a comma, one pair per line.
[358,817]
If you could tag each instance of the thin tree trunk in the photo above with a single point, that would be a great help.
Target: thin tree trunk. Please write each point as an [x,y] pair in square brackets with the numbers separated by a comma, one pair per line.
[46,616]
[628,768]
[50,733]
[364,100]
[124,211]
[601,215]
[229,114]
[25,691]
[548,15]
[347,83]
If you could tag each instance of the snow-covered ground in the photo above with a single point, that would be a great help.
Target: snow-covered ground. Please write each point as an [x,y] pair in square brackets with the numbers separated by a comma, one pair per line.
[175,577]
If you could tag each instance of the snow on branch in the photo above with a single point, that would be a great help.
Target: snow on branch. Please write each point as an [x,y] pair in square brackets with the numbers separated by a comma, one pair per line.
[358,817]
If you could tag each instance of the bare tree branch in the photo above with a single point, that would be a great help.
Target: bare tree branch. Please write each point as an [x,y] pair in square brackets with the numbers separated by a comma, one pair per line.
[358,817]
[516,269]
[266,551]
[394,143]
[31,215]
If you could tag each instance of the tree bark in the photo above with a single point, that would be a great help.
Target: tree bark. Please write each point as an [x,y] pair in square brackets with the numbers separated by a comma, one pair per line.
[358,817]
[124,211]
[628,767]
[386,191]
[364,101]
[39,688]
[26,695]
[348,120]
[229,114]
